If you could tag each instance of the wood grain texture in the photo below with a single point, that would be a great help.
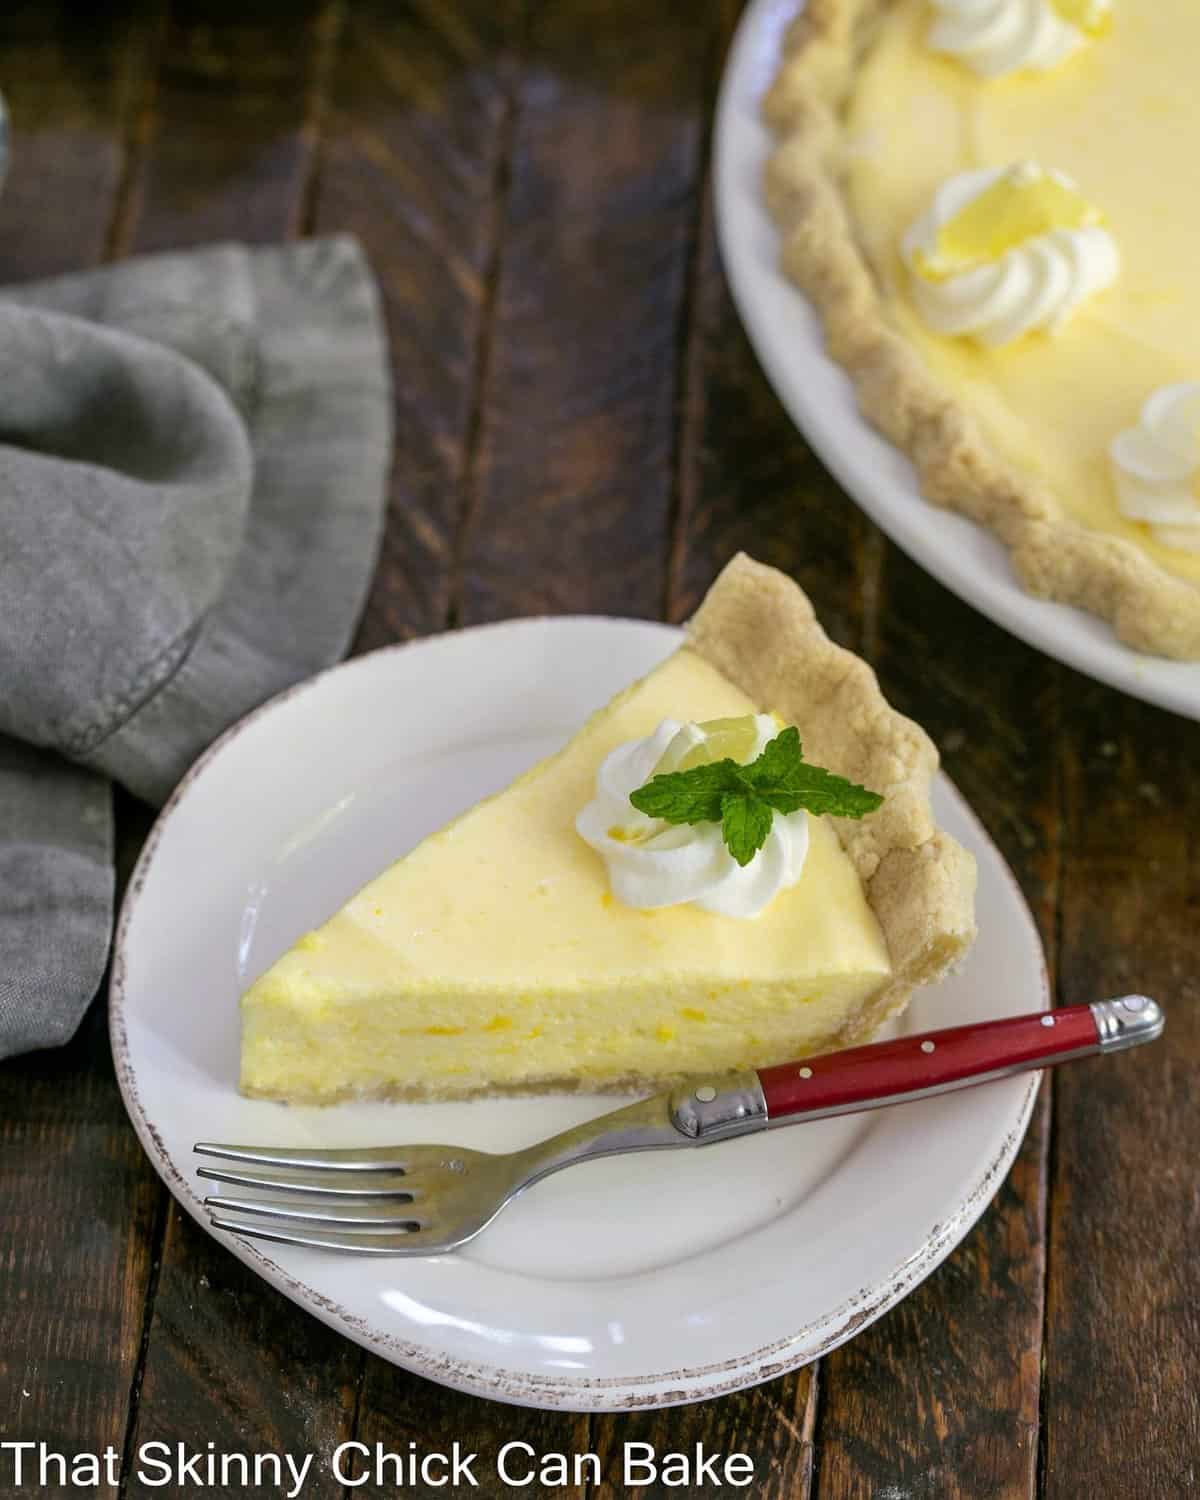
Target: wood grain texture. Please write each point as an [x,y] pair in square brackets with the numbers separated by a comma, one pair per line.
[941,1398]
[413,160]
[226,146]
[399,1410]
[74,97]
[772,1424]
[766,494]
[76,1234]
[232,1362]
[572,486]
[1123,1333]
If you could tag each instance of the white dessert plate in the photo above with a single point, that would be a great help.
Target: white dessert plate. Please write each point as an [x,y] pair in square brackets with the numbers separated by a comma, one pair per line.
[818,396]
[633,1281]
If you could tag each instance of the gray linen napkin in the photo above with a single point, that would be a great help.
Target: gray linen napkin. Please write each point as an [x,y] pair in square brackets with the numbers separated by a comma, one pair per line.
[193,459]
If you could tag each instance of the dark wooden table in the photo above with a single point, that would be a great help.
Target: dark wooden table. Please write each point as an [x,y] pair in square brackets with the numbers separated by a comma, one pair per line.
[581,426]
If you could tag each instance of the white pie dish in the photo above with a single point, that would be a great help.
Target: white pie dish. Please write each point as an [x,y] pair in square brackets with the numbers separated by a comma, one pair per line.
[818,395]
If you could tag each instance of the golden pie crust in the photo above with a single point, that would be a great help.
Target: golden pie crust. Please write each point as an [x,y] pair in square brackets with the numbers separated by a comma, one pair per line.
[757,627]
[1055,556]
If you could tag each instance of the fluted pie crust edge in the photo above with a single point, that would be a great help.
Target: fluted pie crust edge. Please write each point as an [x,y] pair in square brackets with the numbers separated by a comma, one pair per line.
[1055,556]
[758,628]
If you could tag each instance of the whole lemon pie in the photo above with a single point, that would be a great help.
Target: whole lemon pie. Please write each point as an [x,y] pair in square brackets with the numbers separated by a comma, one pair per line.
[734,863]
[989,202]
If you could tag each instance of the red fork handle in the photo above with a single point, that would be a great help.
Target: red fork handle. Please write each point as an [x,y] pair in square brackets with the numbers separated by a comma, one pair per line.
[915,1067]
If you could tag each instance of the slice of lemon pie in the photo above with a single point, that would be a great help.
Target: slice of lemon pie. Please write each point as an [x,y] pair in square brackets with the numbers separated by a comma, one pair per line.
[667,895]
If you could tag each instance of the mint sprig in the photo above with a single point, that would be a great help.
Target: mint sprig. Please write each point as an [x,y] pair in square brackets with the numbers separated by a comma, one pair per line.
[744,799]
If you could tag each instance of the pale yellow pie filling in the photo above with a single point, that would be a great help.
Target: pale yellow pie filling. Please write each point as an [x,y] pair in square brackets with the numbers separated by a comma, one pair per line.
[495,955]
[1122,118]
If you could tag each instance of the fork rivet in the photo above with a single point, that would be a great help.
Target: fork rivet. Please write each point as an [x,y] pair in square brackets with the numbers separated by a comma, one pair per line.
[706,1094]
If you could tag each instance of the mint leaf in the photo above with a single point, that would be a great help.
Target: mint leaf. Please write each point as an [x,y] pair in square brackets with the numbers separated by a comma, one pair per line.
[690,796]
[779,759]
[743,799]
[782,777]
[745,823]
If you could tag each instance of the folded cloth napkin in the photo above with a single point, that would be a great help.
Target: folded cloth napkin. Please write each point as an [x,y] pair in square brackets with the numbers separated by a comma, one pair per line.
[193,459]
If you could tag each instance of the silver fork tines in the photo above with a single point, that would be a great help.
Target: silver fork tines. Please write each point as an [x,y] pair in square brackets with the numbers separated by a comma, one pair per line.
[410,1200]
[403,1243]
[339,1159]
[327,1185]
[399,1216]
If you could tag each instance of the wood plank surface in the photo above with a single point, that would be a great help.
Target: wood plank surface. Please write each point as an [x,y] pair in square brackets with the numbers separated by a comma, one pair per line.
[571,489]
[231,1362]
[403,1412]
[771,1424]
[80,1205]
[769,495]
[748,481]
[228,135]
[941,1397]
[75,99]
[414,161]
[1122,1391]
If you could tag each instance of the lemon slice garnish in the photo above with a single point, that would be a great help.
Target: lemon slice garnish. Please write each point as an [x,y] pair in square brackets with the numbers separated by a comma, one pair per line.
[1022,203]
[712,740]
[724,739]
[1093,17]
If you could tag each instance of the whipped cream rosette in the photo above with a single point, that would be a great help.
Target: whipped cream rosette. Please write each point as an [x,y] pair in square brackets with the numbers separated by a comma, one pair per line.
[1156,466]
[652,863]
[1006,251]
[998,37]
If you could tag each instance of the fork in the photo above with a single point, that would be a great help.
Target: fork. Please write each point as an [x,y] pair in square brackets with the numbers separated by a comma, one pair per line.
[424,1200]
